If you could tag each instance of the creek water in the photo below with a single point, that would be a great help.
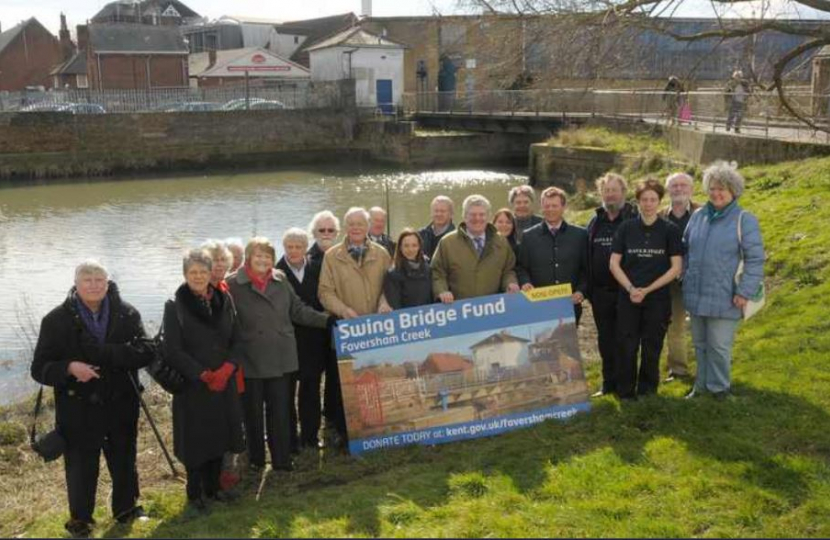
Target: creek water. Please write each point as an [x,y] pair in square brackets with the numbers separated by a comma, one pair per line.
[140,228]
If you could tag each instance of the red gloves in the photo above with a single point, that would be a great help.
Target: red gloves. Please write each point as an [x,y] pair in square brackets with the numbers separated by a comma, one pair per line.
[217,379]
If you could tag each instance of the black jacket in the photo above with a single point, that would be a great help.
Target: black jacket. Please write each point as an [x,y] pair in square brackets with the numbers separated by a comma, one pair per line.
[386,242]
[64,338]
[601,232]
[409,287]
[547,260]
[312,343]
[430,240]
[206,424]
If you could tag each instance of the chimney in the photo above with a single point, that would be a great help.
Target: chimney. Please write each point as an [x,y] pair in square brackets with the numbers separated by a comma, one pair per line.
[211,58]
[366,8]
[82,36]
[65,41]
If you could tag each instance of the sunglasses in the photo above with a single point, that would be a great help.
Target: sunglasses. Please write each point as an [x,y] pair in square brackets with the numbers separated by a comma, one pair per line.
[324,231]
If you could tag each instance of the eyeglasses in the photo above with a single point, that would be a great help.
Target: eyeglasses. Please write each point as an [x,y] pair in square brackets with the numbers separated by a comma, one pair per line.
[324,231]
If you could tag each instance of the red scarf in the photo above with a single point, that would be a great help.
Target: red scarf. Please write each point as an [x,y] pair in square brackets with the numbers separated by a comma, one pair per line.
[259,282]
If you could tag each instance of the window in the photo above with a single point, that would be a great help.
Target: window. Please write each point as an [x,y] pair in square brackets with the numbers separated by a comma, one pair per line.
[296,39]
[81,81]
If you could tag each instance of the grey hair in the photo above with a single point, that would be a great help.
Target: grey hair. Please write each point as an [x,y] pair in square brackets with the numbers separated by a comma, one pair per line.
[445,200]
[377,209]
[674,177]
[218,250]
[525,190]
[295,234]
[356,210]
[90,266]
[612,177]
[475,200]
[721,173]
[235,241]
[197,256]
[320,216]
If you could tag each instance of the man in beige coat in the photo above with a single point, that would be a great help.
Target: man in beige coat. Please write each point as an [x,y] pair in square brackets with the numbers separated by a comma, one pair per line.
[473,260]
[351,281]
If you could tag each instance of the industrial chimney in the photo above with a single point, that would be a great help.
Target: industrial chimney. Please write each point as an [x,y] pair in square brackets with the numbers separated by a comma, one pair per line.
[366,10]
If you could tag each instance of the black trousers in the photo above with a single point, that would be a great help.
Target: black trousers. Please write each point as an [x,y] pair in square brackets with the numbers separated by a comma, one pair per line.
[268,403]
[119,424]
[604,306]
[203,480]
[308,410]
[641,328]
[333,396]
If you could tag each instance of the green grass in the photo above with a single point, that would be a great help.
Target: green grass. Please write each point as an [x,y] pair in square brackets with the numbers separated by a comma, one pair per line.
[753,466]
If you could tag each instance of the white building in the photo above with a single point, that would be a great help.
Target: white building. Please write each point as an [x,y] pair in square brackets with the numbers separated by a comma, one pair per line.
[499,351]
[374,62]
[217,68]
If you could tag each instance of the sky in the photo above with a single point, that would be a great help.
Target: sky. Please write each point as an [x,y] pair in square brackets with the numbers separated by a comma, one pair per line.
[78,11]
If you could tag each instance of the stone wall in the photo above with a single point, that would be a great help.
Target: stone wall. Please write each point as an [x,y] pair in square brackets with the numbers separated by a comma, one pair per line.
[61,144]
[562,166]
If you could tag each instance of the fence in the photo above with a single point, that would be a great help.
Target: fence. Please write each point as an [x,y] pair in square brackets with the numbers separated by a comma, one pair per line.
[298,95]
[764,111]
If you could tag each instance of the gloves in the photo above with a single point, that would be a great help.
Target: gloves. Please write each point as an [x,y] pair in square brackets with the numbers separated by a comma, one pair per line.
[208,377]
[220,377]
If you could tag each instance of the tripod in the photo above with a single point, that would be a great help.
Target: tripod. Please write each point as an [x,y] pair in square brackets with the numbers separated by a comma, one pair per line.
[137,389]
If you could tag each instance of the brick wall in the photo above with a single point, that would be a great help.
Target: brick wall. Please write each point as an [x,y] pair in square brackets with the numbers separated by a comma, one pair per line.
[124,72]
[28,60]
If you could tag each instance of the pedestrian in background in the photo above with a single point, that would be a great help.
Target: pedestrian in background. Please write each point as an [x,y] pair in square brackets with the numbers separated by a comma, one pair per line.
[736,95]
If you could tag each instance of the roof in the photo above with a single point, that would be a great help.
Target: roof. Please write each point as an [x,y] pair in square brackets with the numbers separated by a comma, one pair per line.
[500,337]
[127,8]
[225,59]
[357,37]
[76,65]
[127,38]
[447,362]
[11,34]
[244,19]
[315,30]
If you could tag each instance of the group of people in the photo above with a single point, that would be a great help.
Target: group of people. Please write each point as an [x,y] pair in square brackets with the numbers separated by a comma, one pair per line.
[251,334]
[736,93]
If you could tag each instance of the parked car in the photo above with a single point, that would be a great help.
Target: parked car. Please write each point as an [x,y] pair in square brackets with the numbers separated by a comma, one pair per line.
[84,108]
[44,106]
[267,104]
[239,104]
[190,106]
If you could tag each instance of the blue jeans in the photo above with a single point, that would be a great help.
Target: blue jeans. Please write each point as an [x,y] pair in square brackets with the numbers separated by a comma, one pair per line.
[713,338]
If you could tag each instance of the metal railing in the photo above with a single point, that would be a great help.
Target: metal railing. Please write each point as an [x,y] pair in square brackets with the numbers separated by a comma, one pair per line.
[707,109]
[299,95]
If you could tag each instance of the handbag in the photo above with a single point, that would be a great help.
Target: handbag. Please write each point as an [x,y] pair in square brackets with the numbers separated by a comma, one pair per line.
[757,300]
[50,446]
[685,113]
[159,368]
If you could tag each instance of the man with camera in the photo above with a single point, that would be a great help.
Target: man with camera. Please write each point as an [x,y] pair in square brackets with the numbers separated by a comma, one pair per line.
[89,349]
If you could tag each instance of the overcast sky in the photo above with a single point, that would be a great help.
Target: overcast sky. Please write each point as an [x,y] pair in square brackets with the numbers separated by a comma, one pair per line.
[78,11]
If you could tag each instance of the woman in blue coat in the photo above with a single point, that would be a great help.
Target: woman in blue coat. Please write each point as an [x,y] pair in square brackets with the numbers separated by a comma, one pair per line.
[712,297]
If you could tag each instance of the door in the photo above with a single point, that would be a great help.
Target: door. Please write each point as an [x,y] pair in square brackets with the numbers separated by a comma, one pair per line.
[384,96]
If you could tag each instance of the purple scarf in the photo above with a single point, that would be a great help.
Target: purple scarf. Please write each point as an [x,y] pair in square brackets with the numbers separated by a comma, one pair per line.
[96,323]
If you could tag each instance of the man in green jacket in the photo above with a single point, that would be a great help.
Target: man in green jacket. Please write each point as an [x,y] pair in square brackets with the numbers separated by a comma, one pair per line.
[473,260]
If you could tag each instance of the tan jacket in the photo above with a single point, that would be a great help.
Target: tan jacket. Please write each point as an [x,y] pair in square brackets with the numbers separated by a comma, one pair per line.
[457,268]
[345,284]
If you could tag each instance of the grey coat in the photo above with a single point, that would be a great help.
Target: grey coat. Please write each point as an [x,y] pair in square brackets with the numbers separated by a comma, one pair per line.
[266,346]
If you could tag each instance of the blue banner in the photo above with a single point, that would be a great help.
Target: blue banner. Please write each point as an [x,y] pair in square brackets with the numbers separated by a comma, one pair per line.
[472,368]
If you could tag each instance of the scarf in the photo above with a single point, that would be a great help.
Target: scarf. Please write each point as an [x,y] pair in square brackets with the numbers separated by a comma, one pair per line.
[712,213]
[260,283]
[96,323]
[358,251]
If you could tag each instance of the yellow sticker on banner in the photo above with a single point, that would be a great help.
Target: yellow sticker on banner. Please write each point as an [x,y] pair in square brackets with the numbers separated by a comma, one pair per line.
[547,293]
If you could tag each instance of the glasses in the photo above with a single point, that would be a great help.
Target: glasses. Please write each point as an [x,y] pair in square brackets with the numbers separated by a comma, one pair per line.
[324,231]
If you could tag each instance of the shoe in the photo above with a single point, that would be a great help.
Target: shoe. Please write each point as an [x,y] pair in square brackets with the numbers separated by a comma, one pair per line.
[78,528]
[133,514]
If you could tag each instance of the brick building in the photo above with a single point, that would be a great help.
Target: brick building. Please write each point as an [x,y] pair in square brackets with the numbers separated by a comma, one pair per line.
[28,52]
[133,56]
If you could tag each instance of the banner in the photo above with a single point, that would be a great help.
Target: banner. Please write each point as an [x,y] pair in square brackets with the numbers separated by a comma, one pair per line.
[448,372]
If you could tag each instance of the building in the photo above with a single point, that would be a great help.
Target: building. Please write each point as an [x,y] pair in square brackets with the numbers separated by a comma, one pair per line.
[217,68]
[441,363]
[229,32]
[71,71]
[294,39]
[499,351]
[133,56]
[375,63]
[150,12]
[28,52]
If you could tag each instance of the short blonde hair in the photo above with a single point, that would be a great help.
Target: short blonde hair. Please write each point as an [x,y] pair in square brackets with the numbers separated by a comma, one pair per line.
[612,177]
[553,192]
[261,243]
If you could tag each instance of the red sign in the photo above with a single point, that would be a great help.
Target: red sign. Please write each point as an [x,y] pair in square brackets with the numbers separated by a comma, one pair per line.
[258,58]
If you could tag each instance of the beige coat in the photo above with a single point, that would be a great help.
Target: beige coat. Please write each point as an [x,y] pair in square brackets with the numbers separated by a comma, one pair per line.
[344,284]
[456,267]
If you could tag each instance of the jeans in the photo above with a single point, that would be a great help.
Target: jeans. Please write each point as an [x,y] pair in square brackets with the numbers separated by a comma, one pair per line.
[713,338]
[676,337]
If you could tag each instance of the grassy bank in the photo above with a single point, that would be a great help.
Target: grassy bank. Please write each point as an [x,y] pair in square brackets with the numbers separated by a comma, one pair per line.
[753,466]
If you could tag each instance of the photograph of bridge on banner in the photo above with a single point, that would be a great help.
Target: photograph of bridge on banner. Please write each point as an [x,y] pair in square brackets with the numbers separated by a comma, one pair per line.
[469,378]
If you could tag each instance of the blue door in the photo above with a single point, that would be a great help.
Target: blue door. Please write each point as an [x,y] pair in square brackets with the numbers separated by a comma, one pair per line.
[384,96]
